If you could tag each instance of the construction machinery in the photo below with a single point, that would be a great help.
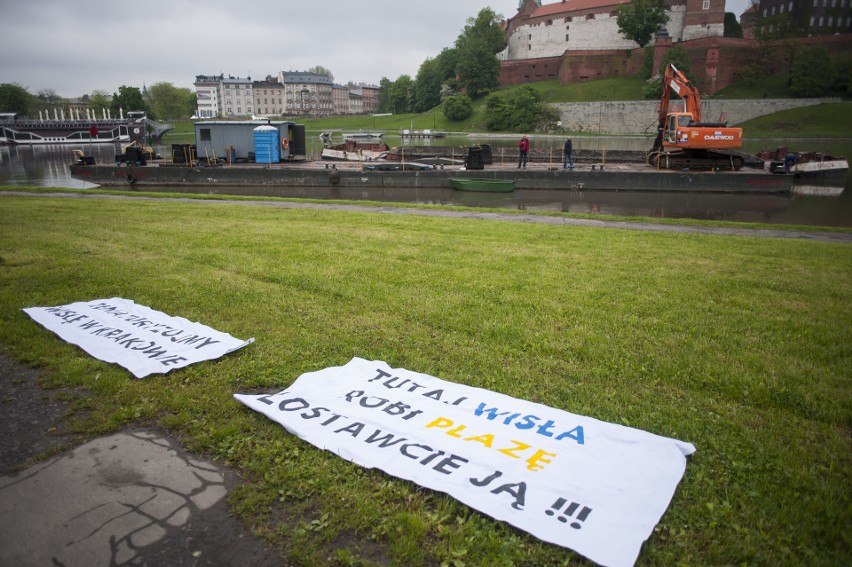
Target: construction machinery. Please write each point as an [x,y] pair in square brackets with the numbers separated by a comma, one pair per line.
[685,142]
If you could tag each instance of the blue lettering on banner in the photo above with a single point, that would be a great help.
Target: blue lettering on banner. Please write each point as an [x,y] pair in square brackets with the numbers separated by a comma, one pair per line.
[530,421]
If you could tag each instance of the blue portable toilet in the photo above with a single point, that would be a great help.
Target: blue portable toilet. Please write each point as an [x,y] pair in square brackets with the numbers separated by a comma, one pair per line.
[266,145]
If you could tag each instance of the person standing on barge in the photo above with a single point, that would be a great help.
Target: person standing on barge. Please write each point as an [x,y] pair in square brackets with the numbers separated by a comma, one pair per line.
[523,149]
[568,155]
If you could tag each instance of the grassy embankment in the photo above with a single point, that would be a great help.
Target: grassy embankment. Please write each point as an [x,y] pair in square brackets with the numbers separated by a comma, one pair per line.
[830,120]
[738,345]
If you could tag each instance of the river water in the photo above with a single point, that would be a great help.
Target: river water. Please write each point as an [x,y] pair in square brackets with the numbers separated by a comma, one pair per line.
[48,167]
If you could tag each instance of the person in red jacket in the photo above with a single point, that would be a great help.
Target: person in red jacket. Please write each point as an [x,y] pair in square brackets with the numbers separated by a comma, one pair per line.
[523,147]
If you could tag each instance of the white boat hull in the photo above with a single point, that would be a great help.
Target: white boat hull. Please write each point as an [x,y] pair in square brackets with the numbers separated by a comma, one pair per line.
[357,155]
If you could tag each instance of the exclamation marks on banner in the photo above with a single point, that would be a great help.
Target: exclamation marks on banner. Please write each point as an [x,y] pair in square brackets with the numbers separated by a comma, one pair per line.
[563,516]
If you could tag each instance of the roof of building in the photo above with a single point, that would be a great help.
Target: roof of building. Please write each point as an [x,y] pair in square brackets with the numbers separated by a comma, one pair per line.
[567,6]
[305,77]
[236,80]
[267,84]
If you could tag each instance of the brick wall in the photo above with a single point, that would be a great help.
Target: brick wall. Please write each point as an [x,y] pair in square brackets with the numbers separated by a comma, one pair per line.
[716,62]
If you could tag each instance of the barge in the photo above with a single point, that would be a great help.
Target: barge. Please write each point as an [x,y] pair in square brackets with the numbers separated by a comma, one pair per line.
[614,177]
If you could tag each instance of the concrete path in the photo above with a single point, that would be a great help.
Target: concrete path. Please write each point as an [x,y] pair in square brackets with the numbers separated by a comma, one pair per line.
[132,498]
[845,237]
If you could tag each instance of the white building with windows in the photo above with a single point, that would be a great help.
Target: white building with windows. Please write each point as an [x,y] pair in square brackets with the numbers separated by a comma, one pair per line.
[222,97]
[207,95]
[549,30]
[237,96]
[307,93]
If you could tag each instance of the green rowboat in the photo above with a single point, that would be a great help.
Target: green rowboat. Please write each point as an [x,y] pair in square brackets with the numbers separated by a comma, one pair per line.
[485,185]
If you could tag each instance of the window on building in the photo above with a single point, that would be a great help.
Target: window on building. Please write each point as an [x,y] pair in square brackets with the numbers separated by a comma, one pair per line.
[812,21]
[566,37]
[204,133]
[772,11]
[820,21]
[781,9]
[833,3]
[830,20]
[705,5]
[790,7]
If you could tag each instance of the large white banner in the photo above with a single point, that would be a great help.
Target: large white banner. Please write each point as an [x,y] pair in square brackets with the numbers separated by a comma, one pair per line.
[591,486]
[142,340]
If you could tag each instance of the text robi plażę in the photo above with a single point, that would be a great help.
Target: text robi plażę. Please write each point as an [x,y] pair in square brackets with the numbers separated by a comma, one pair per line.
[567,479]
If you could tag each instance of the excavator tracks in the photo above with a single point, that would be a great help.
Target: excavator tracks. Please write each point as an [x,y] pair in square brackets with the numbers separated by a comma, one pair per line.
[696,160]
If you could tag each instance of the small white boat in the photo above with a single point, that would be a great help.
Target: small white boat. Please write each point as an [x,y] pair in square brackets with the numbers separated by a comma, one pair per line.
[361,135]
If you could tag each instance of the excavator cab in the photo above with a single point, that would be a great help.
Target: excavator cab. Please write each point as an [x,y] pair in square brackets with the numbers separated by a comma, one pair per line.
[676,133]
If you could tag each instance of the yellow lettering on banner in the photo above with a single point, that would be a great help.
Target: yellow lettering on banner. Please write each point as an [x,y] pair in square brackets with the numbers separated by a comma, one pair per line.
[486,439]
[538,457]
[535,462]
[519,446]
[455,431]
[441,422]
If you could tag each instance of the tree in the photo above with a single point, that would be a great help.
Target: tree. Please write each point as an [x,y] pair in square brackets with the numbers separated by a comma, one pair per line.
[843,72]
[478,70]
[383,97]
[678,57]
[427,86]
[483,37]
[641,19]
[45,99]
[432,78]
[733,28]
[98,100]
[458,107]
[320,70]
[127,99]
[812,72]
[168,101]
[520,111]
[15,98]
[401,95]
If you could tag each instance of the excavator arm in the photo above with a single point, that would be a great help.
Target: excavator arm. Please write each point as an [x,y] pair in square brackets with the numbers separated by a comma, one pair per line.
[676,82]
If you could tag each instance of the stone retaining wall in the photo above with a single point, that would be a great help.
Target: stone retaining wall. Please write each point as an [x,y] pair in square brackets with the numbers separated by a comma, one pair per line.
[640,117]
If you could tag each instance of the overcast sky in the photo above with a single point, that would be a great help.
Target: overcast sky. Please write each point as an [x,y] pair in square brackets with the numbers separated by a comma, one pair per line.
[78,46]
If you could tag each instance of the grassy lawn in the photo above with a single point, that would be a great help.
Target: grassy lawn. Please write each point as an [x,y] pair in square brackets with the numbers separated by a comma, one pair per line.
[741,346]
[827,120]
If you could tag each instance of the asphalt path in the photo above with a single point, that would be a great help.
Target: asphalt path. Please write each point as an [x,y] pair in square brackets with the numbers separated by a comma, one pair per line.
[845,237]
[131,498]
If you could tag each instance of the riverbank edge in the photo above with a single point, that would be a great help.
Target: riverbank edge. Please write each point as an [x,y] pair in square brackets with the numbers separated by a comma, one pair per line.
[826,234]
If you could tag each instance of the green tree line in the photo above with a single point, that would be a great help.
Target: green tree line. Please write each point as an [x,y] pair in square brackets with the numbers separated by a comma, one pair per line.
[163,101]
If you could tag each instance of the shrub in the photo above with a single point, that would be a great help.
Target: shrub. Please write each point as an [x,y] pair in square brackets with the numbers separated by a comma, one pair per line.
[458,107]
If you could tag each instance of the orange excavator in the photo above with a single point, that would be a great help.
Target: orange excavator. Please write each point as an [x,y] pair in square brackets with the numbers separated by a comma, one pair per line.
[685,142]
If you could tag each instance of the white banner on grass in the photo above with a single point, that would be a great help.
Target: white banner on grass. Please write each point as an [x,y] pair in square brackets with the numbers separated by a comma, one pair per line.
[142,340]
[591,486]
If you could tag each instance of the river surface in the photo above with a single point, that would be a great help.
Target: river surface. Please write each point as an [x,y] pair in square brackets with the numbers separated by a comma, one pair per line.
[48,167]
